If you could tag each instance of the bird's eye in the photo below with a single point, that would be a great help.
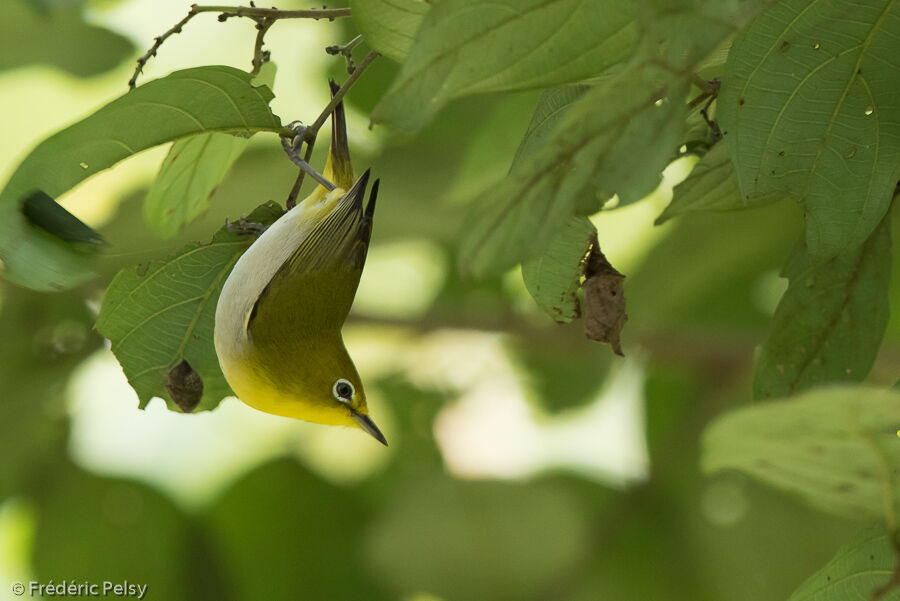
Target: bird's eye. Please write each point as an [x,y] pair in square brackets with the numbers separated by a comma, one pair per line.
[342,391]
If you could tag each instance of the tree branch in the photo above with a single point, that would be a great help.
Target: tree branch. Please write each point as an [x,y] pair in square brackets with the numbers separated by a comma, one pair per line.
[264,17]
[309,133]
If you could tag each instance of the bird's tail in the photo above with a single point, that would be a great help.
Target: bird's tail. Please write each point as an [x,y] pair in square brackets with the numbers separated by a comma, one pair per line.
[338,168]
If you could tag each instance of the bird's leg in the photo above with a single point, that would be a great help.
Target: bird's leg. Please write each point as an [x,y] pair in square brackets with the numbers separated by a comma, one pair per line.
[292,149]
[245,228]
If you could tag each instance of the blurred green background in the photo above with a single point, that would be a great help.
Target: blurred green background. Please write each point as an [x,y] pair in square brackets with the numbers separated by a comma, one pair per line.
[526,463]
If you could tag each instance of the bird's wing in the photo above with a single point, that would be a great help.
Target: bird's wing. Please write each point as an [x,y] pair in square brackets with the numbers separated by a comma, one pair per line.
[317,282]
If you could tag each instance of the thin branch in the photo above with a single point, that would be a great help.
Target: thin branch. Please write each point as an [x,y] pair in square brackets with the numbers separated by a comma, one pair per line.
[274,13]
[346,50]
[157,42]
[260,57]
[310,133]
[313,129]
[264,18]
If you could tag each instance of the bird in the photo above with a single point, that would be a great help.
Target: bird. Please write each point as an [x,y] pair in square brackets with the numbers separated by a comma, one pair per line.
[280,312]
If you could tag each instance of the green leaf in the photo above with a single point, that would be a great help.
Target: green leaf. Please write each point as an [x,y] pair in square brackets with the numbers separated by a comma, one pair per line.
[42,211]
[809,103]
[60,29]
[551,107]
[860,567]
[529,535]
[389,26]
[189,176]
[46,336]
[616,138]
[303,540]
[711,186]
[115,527]
[185,103]
[830,322]
[469,46]
[553,278]
[191,172]
[563,373]
[832,447]
[163,313]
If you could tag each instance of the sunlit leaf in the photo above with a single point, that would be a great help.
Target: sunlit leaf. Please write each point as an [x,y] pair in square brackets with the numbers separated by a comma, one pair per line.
[831,320]
[160,314]
[468,46]
[809,104]
[188,178]
[185,103]
[192,171]
[60,28]
[389,26]
[832,447]
[860,567]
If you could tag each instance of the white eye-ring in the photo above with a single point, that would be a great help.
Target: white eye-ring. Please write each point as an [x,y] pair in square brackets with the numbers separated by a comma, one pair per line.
[343,390]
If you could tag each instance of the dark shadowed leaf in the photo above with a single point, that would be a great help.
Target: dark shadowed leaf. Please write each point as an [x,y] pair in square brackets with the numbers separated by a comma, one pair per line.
[96,527]
[42,211]
[830,322]
[809,101]
[163,313]
[303,540]
[832,447]
[185,103]
[45,336]
[509,539]
[468,46]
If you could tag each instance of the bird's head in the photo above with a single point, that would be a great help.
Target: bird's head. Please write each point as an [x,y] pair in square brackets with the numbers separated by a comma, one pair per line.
[325,388]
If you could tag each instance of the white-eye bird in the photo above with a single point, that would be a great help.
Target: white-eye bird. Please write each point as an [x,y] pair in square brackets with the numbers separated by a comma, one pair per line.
[280,313]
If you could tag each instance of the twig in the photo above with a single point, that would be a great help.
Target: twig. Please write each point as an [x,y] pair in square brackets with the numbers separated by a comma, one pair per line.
[260,57]
[346,50]
[264,18]
[274,13]
[157,42]
[313,129]
[310,133]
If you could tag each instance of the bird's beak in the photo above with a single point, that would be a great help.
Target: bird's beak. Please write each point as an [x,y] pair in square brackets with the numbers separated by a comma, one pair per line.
[365,422]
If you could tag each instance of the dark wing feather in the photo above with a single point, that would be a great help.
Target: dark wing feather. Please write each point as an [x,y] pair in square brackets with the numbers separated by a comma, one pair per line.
[327,263]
